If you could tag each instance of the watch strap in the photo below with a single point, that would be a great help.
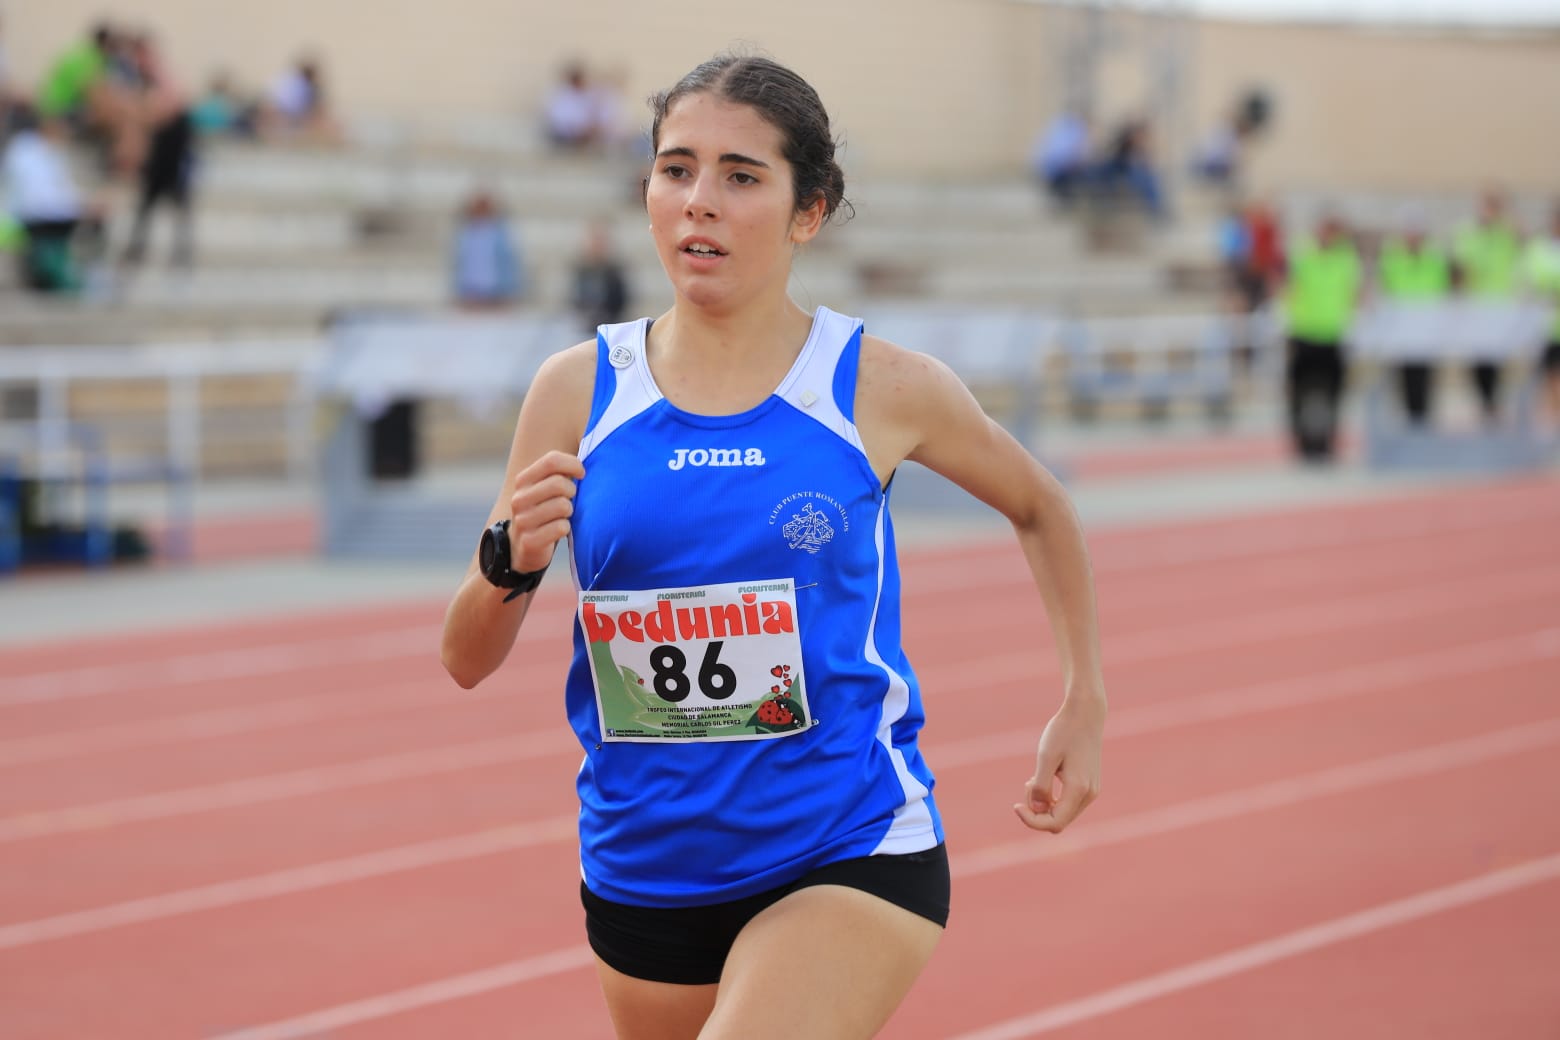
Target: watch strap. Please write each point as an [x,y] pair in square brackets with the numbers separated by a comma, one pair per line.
[497,570]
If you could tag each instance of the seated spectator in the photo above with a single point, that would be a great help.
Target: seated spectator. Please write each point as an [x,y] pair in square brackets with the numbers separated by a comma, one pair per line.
[1221,156]
[42,197]
[485,263]
[1128,166]
[1218,157]
[79,90]
[297,106]
[223,112]
[68,84]
[125,69]
[600,290]
[616,131]
[572,111]
[1061,155]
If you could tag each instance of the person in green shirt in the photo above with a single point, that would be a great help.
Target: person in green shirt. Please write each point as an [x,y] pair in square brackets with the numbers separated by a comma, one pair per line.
[68,87]
[1541,275]
[1321,293]
[1413,270]
[79,90]
[1489,256]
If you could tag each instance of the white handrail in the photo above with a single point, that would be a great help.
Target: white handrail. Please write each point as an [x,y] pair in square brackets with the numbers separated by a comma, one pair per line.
[182,366]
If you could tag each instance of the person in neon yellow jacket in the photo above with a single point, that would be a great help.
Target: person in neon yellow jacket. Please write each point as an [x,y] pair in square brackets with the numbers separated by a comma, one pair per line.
[1412,269]
[1489,259]
[1541,276]
[1321,294]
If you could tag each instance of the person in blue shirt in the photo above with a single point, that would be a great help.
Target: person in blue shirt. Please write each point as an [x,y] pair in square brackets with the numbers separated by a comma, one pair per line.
[485,262]
[754,805]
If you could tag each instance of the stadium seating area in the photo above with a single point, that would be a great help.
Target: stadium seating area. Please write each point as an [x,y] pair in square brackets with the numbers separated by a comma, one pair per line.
[289,237]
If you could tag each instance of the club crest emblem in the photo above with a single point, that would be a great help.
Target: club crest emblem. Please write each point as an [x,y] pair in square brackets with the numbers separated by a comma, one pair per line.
[809,530]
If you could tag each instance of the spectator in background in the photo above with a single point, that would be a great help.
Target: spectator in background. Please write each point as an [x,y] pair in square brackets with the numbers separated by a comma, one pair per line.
[1541,274]
[222,111]
[618,135]
[42,197]
[1221,156]
[1234,248]
[1322,293]
[1234,245]
[1253,249]
[600,286]
[1488,255]
[1128,166]
[1413,270]
[8,95]
[124,67]
[572,111]
[69,83]
[1258,271]
[1218,157]
[1060,159]
[78,89]
[298,105]
[485,264]
[168,172]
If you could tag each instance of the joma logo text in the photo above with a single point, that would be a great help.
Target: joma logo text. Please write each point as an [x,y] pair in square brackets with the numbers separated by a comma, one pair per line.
[682,457]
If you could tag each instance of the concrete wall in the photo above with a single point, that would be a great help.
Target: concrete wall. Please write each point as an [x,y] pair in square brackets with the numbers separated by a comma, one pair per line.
[917,87]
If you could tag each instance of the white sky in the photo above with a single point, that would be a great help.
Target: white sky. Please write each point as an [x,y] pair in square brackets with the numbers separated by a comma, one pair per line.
[1411,12]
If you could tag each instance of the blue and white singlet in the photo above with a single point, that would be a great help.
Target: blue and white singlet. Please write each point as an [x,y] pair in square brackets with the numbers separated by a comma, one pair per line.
[738,685]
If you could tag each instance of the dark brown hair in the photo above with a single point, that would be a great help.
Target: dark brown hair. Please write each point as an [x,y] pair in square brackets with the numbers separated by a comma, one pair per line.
[785,101]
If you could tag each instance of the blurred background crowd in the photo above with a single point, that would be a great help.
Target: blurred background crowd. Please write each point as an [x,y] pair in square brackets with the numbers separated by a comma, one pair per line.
[171,180]
[111,133]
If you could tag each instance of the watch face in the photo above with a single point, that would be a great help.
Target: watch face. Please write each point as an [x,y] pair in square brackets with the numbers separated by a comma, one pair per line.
[487,550]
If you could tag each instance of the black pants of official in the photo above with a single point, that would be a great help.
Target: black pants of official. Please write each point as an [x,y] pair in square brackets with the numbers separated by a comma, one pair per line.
[166,177]
[1486,379]
[1416,383]
[1314,390]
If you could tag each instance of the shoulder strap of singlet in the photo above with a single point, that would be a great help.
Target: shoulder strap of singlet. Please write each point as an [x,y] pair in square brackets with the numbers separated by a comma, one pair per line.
[623,388]
[823,383]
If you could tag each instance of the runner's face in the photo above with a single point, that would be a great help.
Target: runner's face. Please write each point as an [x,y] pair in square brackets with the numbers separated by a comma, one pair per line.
[721,203]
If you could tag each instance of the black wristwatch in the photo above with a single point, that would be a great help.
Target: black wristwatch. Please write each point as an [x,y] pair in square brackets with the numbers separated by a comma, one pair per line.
[493,561]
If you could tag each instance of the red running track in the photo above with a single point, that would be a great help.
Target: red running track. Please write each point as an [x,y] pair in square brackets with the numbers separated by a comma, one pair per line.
[1329,805]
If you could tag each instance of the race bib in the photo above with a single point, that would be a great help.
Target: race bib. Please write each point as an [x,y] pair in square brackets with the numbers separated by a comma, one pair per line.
[708,662]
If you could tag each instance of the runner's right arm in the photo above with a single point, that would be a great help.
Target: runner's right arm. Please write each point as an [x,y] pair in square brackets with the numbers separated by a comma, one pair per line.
[537,498]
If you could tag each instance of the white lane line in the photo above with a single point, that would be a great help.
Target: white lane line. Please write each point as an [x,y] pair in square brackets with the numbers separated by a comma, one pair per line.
[1405,765]
[1294,691]
[1286,576]
[1283,947]
[308,709]
[1456,596]
[441,991]
[297,783]
[279,658]
[1426,760]
[1267,695]
[290,881]
[217,665]
[1253,538]
[1358,613]
[1291,533]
